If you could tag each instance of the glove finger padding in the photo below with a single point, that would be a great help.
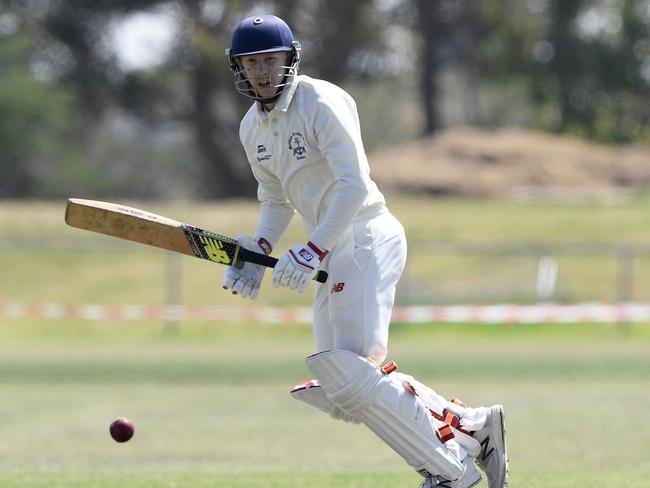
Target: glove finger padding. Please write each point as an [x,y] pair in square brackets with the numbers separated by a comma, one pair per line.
[300,281]
[255,290]
[245,280]
[230,277]
[279,271]
[288,278]
[238,286]
[250,289]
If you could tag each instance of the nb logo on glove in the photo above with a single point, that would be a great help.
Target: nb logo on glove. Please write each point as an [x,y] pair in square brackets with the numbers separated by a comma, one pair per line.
[305,254]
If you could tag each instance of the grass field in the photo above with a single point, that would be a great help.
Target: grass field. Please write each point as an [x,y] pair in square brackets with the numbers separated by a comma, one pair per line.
[210,401]
[37,251]
[211,405]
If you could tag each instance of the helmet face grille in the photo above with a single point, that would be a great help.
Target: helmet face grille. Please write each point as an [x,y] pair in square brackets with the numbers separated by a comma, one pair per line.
[245,88]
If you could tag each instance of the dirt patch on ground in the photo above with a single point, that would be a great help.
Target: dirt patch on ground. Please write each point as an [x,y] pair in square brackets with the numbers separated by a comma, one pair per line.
[512,162]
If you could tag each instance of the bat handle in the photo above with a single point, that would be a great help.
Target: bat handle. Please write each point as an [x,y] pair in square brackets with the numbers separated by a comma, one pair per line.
[270,262]
[321,276]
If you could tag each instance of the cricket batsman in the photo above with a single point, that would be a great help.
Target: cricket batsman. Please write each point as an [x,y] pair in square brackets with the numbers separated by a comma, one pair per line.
[303,142]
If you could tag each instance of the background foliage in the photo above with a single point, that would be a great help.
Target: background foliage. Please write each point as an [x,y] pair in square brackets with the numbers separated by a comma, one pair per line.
[77,115]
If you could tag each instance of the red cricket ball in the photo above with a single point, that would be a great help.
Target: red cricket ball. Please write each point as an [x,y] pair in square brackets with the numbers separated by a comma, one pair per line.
[122,429]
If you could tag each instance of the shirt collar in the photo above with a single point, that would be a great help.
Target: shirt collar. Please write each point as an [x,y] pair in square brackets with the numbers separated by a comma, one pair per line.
[284,100]
[287,96]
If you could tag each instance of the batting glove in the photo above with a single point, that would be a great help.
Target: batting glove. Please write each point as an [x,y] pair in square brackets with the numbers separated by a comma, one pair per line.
[245,280]
[296,268]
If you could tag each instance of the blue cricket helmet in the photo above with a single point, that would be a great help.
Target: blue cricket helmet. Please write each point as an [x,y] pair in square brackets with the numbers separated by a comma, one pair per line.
[259,34]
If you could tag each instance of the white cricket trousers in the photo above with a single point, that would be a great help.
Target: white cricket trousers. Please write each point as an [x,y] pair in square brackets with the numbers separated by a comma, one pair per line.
[352,310]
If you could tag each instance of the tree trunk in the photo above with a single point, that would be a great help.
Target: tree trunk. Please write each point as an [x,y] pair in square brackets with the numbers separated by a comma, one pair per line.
[220,177]
[426,26]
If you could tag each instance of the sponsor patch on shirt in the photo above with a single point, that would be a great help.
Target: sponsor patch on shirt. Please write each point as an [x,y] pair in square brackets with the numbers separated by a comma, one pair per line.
[262,153]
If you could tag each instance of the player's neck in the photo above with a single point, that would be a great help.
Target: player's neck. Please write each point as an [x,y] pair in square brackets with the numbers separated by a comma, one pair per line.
[268,106]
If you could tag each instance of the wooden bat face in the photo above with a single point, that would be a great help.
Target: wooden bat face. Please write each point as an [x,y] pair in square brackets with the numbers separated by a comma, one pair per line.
[138,225]
[147,228]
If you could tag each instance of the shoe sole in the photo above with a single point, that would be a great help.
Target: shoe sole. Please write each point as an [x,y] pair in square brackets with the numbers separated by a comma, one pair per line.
[476,483]
[468,486]
[474,472]
[478,480]
[502,438]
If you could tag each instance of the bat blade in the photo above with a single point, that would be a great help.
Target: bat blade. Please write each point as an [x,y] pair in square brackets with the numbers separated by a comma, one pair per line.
[127,223]
[137,225]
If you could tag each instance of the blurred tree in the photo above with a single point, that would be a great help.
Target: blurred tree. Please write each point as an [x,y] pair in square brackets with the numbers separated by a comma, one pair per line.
[567,67]
[429,28]
[184,89]
[194,85]
[35,122]
[449,32]
[584,65]
[342,39]
[583,62]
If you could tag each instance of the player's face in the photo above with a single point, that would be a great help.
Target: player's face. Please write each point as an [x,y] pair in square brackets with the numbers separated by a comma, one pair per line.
[265,71]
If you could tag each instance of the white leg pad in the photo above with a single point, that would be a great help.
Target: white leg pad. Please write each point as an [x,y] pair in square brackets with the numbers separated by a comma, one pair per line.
[359,388]
[312,394]
[439,404]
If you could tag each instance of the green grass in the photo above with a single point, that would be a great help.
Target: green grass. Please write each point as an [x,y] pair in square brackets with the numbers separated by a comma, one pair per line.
[44,260]
[212,408]
[446,219]
[512,221]
[210,400]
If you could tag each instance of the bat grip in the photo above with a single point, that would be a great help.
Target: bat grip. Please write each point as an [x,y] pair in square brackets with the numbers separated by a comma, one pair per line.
[270,262]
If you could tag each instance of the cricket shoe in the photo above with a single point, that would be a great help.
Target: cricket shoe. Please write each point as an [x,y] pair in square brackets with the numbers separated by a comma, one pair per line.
[493,457]
[470,477]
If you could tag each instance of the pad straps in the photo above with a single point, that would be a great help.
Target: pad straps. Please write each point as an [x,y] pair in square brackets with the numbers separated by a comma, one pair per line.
[448,418]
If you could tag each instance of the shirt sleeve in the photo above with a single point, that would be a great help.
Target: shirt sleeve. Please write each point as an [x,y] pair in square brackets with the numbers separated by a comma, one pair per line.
[276,211]
[339,138]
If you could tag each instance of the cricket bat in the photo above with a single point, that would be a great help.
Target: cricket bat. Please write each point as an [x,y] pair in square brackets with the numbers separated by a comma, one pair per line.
[138,225]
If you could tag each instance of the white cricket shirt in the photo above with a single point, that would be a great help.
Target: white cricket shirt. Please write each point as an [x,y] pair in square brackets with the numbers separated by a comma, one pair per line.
[307,154]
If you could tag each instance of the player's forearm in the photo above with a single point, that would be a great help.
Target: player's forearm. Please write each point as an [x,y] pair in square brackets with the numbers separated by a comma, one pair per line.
[273,221]
[347,200]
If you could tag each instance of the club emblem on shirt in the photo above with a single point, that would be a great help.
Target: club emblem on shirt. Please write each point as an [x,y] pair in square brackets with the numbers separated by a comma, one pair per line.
[298,145]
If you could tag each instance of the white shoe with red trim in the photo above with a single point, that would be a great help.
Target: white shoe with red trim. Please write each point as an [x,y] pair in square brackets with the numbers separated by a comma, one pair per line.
[471,477]
[493,457]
